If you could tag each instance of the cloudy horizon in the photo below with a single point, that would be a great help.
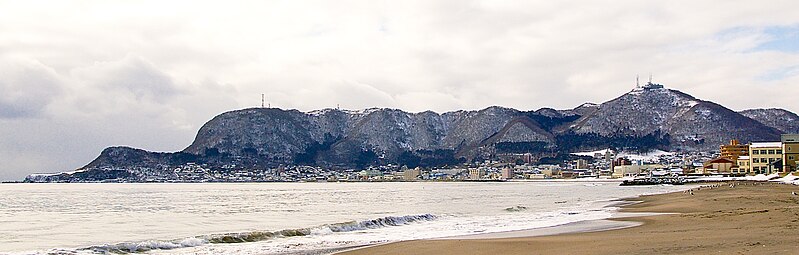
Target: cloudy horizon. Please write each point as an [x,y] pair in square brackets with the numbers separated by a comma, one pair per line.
[80,76]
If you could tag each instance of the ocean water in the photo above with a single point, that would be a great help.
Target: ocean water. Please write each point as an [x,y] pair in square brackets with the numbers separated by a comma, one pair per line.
[283,218]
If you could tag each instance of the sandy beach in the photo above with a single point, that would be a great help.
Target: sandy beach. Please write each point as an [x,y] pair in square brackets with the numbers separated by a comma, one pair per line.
[749,218]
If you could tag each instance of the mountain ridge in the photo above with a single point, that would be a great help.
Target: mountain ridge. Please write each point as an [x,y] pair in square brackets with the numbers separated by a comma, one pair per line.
[262,138]
[780,119]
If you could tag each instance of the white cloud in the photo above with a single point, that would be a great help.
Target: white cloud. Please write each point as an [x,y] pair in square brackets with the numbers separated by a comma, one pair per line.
[131,75]
[79,76]
[26,88]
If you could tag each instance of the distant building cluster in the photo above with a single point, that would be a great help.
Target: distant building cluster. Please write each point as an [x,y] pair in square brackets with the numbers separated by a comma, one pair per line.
[733,159]
[757,157]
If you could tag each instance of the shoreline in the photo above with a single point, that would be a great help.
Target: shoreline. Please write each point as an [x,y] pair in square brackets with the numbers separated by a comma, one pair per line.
[585,226]
[616,221]
[751,217]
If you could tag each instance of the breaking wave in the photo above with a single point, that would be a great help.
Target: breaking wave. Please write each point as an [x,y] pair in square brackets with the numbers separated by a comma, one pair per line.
[255,236]
[517,208]
[334,228]
[131,247]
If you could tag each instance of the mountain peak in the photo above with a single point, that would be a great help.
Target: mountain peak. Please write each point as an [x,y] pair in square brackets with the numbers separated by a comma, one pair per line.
[689,122]
[648,117]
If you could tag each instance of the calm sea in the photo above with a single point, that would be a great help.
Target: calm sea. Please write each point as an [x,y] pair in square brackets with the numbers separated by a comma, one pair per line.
[268,218]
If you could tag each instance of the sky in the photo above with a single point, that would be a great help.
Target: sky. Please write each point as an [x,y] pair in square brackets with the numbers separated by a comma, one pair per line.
[79,76]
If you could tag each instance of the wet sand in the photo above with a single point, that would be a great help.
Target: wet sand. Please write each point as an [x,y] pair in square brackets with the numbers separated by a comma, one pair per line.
[751,218]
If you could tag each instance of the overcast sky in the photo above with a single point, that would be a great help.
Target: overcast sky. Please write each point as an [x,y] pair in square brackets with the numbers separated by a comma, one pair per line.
[79,76]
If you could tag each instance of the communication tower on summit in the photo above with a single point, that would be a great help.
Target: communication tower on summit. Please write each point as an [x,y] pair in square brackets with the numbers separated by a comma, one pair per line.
[648,86]
[651,85]
[637,85]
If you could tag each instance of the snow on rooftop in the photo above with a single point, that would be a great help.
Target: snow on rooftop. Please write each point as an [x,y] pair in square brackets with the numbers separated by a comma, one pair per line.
[765,144]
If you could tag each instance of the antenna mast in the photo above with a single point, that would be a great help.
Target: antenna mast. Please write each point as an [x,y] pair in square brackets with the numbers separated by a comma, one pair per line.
[637,85]
[262,100]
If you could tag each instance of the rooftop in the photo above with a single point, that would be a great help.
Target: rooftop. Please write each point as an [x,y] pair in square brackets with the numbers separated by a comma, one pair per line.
[790,138]
[765,144]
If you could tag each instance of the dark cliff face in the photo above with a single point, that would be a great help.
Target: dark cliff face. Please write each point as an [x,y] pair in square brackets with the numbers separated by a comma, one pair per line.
[785,121]
[639,120]
[341,137]
[273,132]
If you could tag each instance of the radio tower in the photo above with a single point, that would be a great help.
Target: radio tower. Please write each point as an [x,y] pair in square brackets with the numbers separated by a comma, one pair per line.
[637,85]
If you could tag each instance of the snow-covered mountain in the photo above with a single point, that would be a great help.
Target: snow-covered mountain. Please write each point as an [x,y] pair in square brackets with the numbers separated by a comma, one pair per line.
[337,137]
[684,121]
[642,119]
[782,120]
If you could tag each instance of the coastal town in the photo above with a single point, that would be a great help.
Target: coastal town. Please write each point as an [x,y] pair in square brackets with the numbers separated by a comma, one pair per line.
[731,160]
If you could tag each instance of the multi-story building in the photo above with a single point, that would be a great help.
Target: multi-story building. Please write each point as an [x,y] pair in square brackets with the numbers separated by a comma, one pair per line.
[790,152]
[507,173]
[476,173]
[743,167]
[734,150]
[762,155]
[411,174]
[581,164]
